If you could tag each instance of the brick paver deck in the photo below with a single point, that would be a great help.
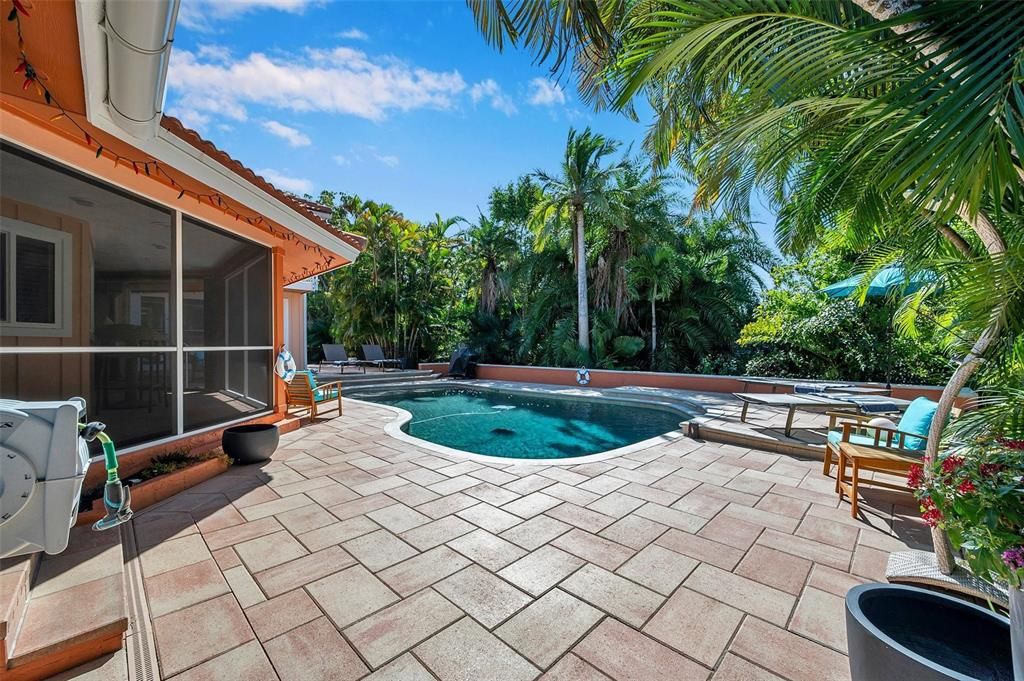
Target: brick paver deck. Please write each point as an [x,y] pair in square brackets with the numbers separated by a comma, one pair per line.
[354,555]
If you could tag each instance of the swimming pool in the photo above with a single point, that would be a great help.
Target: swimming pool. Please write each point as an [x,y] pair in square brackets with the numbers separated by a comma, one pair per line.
[523,426]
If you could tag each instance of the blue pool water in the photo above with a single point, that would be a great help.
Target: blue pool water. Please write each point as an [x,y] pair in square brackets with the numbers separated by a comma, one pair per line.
[524,426]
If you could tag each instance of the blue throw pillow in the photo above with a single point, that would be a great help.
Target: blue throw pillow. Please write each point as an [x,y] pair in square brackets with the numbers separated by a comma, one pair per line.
[917,419]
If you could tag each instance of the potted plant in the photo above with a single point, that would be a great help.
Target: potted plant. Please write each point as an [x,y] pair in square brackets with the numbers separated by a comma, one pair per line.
[976,494]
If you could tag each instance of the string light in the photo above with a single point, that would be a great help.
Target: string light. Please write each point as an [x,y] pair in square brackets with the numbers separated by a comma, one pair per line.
[33,77]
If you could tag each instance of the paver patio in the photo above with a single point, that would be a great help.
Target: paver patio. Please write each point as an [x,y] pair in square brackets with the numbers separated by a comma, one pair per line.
[355,555]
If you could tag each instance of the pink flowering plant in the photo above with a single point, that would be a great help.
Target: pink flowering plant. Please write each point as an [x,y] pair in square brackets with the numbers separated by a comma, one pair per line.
[976,494]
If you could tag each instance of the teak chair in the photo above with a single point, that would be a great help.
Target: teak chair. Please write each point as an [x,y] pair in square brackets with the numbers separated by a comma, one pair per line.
[303,391]
[876,448]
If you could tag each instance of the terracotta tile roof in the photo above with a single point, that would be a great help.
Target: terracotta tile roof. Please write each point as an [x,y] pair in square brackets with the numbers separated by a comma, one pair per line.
[311,206]
[301,206]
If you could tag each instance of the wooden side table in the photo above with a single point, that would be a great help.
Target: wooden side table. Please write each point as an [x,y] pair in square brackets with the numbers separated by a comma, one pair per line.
[877,459]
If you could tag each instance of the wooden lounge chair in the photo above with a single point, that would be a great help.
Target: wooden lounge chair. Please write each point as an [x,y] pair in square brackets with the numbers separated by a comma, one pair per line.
[336,356]
[374,356]
[910,436]
[818,403]
[304,391]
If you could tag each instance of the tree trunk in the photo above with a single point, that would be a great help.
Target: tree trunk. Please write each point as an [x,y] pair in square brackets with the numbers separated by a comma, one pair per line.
[995,246]
[654,327]
[583,314]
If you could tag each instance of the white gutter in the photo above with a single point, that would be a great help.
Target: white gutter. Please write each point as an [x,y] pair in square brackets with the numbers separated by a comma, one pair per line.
[162,145]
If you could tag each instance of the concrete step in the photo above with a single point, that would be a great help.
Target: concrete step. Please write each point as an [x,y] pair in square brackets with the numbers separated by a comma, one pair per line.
[15,582]
[379,380]
[354,378]
[76,609]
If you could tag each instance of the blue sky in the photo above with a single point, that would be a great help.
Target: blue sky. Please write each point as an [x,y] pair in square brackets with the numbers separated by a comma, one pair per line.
[396,101]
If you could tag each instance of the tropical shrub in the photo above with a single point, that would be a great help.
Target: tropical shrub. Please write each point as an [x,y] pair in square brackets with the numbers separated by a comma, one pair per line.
[799,332]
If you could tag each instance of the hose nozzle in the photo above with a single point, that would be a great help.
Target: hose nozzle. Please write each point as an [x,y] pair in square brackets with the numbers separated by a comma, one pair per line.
[117,498]
[117,501]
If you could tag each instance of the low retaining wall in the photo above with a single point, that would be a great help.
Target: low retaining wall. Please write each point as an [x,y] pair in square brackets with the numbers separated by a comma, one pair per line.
[606,378]
[130,463]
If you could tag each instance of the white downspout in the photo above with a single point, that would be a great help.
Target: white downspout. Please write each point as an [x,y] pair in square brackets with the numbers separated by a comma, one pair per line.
[139,38]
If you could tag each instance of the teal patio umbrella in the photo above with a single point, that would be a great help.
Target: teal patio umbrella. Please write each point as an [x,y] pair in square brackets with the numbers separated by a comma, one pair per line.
[887,280]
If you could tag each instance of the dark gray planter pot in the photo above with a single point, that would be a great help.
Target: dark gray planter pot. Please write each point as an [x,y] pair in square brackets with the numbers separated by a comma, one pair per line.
[253,443]
[903,633]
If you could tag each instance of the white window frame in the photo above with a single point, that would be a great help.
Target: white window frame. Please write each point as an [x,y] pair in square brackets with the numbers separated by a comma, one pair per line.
[62,242]
[243,272]
[135,306]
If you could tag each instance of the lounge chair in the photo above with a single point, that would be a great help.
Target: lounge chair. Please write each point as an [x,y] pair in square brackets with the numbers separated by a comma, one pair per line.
[336,356]
[877,448]
[304,391]
[910,435]
[831,402]
[374,356]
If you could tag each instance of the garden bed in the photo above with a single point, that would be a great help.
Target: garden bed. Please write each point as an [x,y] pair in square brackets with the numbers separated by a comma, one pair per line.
[165,476]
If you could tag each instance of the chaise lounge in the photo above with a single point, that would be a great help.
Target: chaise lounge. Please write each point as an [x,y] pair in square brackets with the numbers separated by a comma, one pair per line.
[373,355]
[336,356]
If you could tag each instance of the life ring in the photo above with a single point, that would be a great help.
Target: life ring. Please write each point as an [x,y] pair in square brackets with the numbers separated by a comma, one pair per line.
[285,365]
[583,376]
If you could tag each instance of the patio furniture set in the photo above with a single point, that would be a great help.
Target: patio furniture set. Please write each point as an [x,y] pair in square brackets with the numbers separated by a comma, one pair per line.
[862,441]
[864,444]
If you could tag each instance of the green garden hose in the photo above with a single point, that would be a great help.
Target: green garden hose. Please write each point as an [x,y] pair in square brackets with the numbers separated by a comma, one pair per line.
[109,457]
[116,497]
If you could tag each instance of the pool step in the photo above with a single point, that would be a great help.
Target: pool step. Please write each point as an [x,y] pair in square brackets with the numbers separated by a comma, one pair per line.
[353,383]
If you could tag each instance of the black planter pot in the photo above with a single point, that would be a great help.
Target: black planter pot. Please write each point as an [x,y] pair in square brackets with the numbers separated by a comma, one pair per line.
[902,633]
[252,443]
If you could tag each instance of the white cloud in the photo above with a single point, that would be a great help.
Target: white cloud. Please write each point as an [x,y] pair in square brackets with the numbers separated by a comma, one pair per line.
[204,15]
[341,80]
[353,34]
[296,185]
[366,153]
[492,92]
[545,93]
[191,118]
[290,135]
[214,52]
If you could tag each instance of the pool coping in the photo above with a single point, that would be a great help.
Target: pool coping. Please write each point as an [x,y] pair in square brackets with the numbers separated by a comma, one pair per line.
[687,410]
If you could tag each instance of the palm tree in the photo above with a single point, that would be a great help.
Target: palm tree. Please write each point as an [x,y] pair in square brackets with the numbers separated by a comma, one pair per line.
[583,185]
[654,268]
[639,215]
[847,122]
[492,246]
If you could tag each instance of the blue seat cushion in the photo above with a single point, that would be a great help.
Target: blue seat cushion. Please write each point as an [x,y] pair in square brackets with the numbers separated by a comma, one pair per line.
[836,436]
[321,394]
[917,419]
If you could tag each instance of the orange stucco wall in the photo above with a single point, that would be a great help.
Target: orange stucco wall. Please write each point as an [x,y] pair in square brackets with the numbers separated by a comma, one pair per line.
[617,379]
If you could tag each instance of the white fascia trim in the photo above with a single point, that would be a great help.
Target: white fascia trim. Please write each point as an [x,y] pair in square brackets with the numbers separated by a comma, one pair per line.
[177,152]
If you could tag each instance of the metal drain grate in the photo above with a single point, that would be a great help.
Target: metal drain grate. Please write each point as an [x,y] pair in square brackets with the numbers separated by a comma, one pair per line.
[141,648]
